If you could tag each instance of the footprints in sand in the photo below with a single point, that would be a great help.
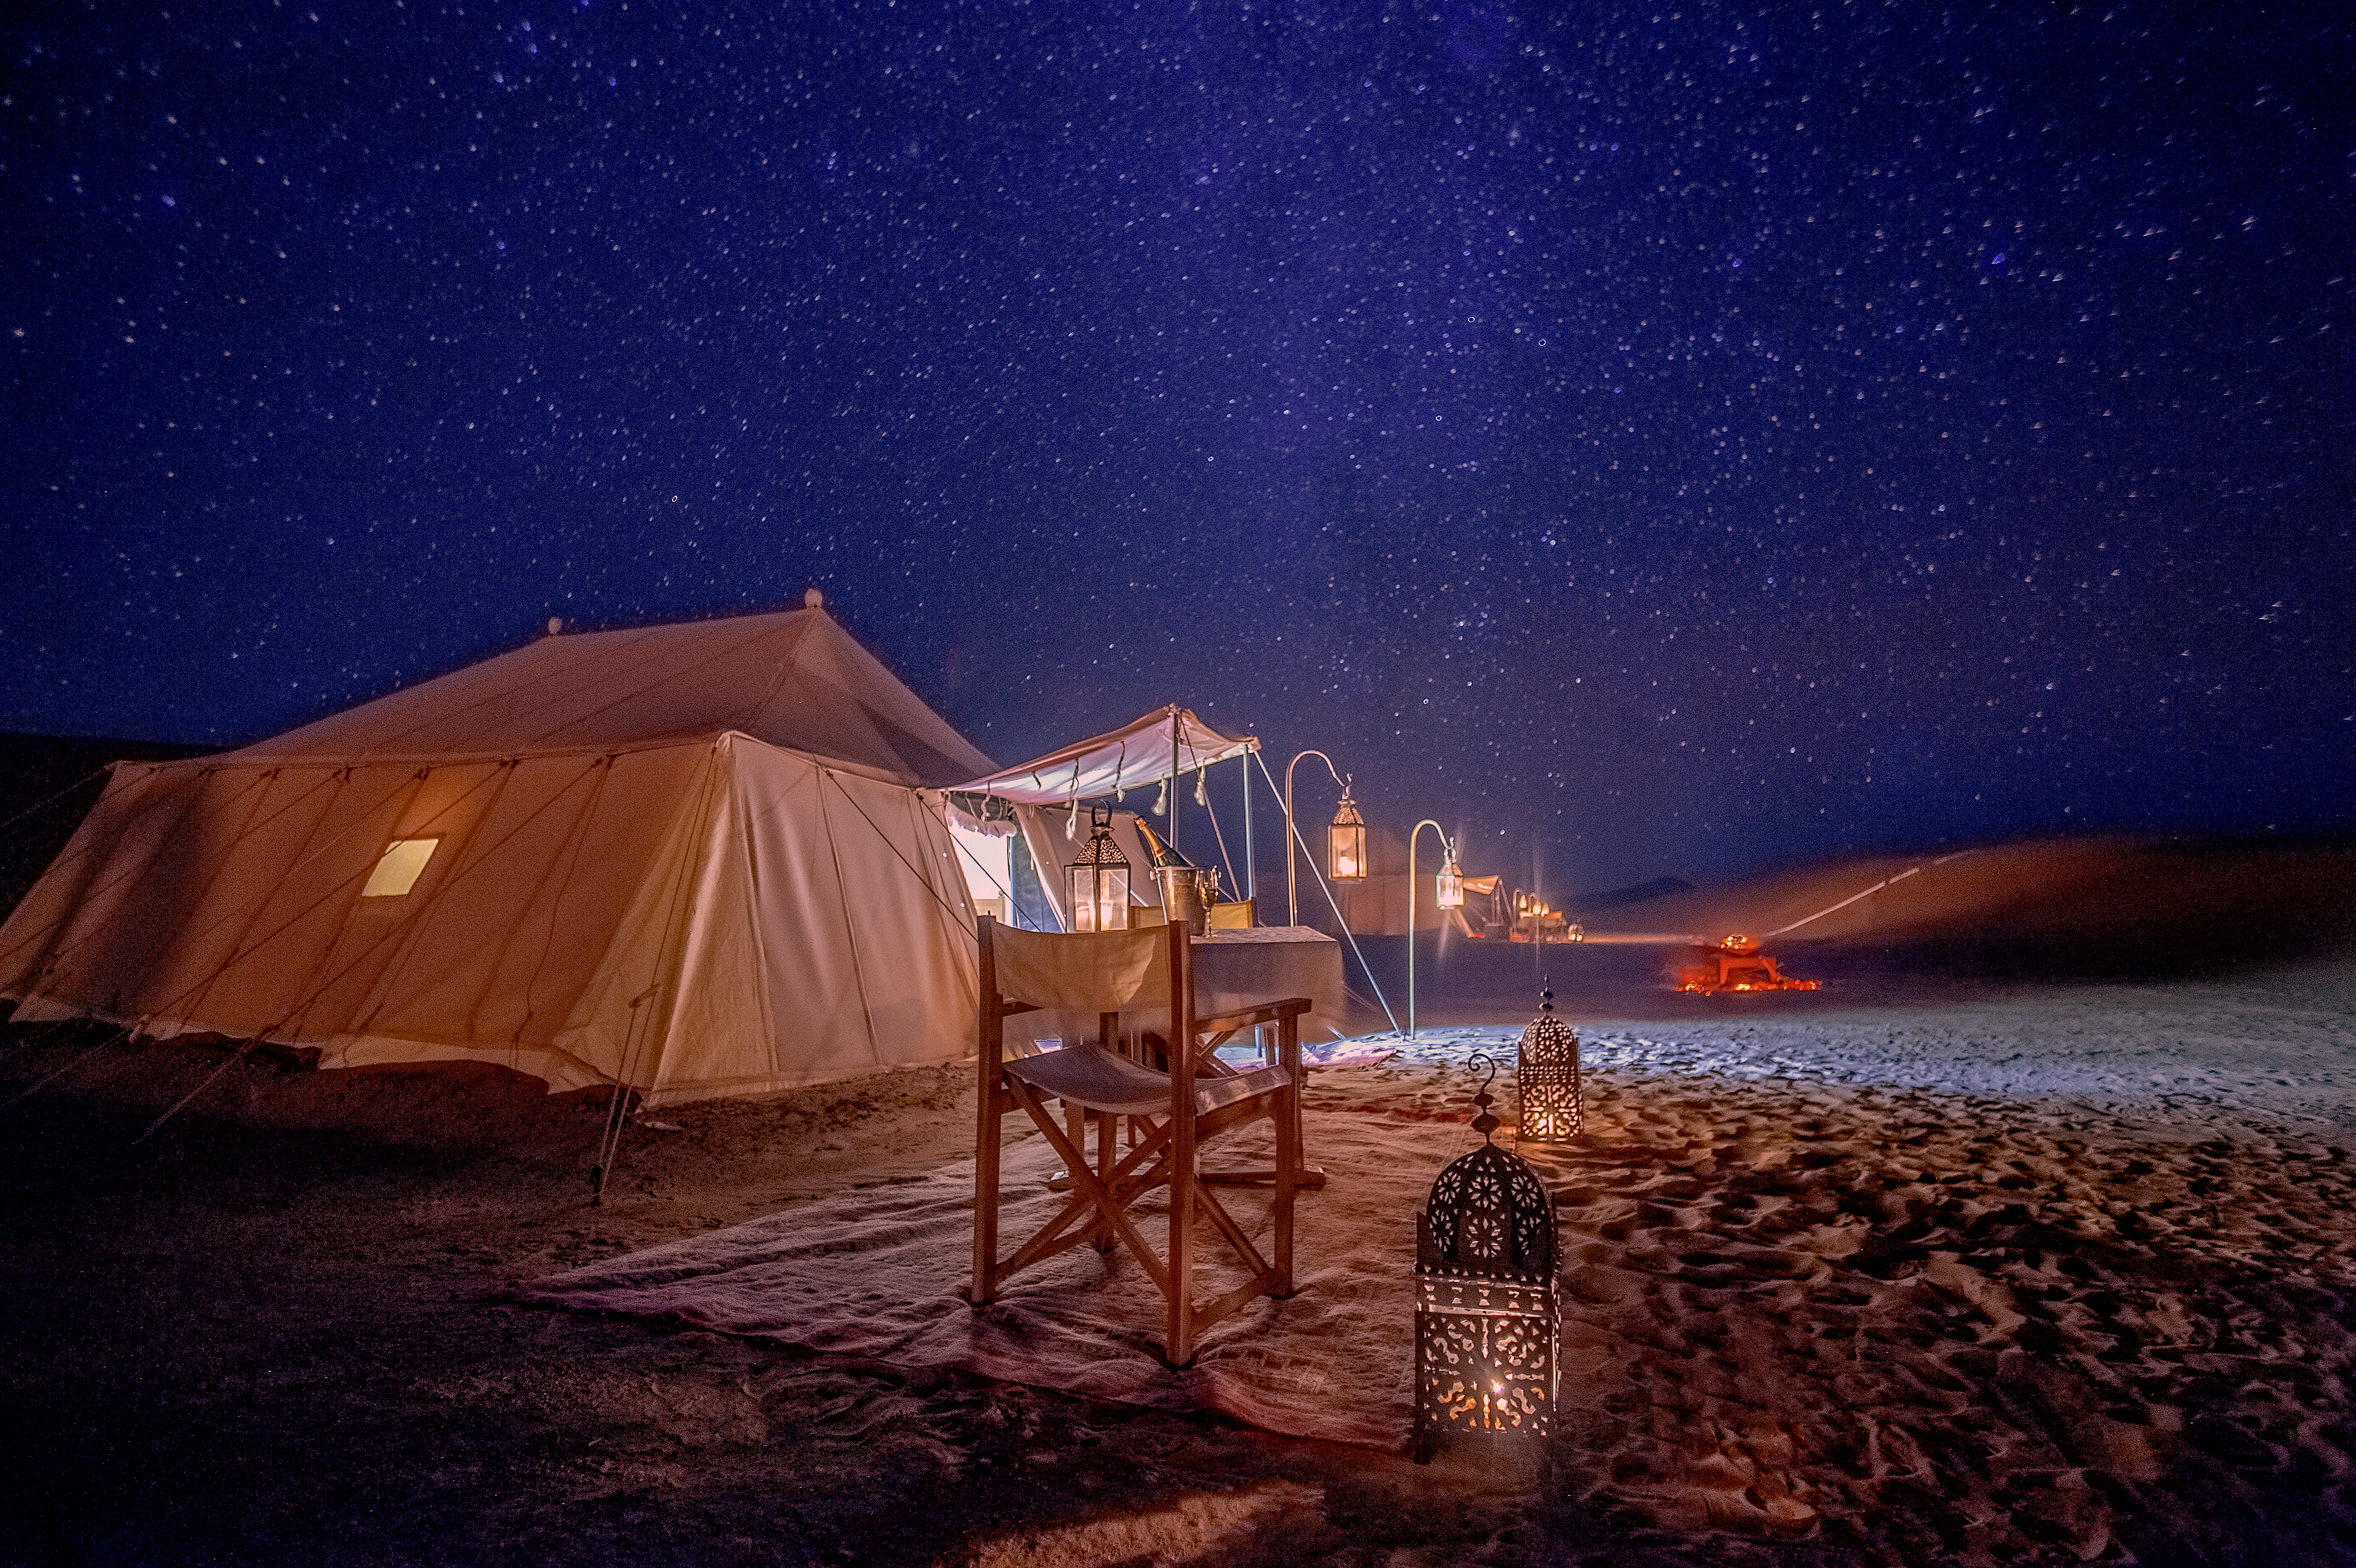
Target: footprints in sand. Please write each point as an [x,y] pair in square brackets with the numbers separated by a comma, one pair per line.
[1930,1327]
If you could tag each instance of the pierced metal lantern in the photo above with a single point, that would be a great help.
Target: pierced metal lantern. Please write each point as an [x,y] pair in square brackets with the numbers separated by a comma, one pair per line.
[1345,842]
[1548,1077]
[1488,1325]
[1098,881]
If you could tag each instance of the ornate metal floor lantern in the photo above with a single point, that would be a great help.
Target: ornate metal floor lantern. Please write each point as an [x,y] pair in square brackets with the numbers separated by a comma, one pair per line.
[1548,1077]
[1487,1323]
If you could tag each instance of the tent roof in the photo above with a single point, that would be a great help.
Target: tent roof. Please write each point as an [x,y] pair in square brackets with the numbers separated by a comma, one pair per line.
[1149,748]
[793,679]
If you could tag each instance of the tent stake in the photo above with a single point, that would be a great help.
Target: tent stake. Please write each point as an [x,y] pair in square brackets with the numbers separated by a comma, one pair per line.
[156,1125]
[115,1037]
[609,1149]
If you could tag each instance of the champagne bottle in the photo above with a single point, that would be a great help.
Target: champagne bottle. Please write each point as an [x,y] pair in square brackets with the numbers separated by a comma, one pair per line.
[1170,868]
[1161,853]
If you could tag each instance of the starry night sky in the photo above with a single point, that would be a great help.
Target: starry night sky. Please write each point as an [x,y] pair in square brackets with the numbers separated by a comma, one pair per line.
[1646,438]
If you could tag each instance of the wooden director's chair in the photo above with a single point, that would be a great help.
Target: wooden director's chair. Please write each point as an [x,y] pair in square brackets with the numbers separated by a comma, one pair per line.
[1170,1113]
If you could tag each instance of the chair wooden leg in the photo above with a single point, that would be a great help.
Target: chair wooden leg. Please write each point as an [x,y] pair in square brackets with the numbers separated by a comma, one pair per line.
[1208,1207]
[1179,1342]
[1288,1182]
[1108,1155]
[1089,1193]
[1288,1150]
[989,1045]
[986,1143]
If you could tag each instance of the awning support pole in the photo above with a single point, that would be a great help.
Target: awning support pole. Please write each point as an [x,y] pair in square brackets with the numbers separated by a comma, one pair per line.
[1252,863]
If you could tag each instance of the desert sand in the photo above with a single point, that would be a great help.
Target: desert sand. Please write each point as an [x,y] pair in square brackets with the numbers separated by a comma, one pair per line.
[1978,1272]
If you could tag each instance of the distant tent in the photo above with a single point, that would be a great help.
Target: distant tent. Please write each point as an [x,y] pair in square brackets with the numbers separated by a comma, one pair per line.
[696,859]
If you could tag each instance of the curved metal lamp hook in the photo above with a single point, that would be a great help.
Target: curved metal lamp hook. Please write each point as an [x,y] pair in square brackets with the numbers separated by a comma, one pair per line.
[1292,835]
[1486,1123]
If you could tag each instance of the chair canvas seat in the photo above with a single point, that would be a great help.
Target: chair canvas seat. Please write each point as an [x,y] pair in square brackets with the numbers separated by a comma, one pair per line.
[1104,974]
[1089,1076]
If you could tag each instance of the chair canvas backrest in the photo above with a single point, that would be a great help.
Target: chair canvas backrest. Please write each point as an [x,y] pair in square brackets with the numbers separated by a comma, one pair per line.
[1087,972]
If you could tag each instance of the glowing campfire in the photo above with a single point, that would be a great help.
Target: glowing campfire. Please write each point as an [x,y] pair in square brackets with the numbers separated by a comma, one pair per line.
[1737,964]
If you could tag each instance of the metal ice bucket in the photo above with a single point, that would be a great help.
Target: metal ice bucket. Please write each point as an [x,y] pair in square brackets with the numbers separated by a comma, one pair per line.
[1186,896]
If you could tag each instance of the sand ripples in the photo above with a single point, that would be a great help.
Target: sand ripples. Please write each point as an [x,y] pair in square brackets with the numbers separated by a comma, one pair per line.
[1927,1326]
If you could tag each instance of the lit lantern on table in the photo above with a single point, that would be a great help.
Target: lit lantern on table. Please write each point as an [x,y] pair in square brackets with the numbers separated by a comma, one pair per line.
[1488,1325]
[1547,1077]
[1345,842]
[1098,881]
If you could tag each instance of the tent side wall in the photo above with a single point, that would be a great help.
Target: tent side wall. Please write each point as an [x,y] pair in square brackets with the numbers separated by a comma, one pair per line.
[553,919]
[89,924]
[719,918]
[829,925]
[229,899]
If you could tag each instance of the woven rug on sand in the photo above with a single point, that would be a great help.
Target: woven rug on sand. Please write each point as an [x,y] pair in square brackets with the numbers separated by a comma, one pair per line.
[875,1271]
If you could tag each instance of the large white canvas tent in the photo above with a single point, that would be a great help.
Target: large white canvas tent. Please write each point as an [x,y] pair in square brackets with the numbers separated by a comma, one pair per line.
[695,859]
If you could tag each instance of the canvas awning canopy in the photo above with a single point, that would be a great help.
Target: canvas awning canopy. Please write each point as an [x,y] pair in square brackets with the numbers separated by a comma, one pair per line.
[1154,747]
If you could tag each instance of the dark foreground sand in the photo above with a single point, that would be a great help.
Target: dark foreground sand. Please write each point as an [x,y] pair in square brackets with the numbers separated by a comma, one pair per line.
[1810,1322]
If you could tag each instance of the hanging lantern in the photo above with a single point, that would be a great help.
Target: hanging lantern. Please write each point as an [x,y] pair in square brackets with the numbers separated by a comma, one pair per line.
[1488,1326]
[1450,893]
[1098,881]
[1548,1077]
[1345,842]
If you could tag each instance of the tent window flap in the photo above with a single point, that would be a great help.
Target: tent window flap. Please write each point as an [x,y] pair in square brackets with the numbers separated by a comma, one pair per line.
[399,867]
